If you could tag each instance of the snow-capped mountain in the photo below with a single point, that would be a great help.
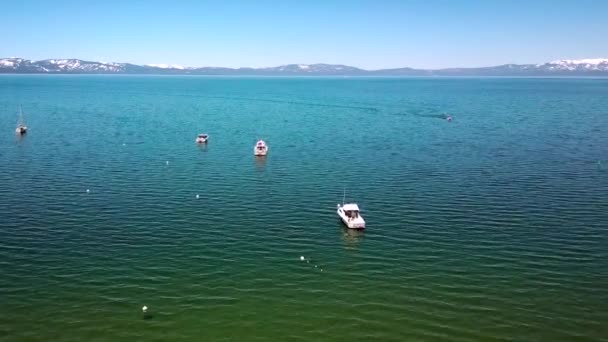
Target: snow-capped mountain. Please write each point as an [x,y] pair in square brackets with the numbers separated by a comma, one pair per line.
[10,62]
[600,64]
[319,68]
[166,66]
[76,65]
[565,67]
[20,65]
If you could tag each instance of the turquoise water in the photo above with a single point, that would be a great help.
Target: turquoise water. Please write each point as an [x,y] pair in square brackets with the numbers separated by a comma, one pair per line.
[491,227]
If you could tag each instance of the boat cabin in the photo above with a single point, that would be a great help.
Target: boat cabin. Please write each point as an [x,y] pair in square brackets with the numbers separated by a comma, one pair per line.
[351,210]
[260,145]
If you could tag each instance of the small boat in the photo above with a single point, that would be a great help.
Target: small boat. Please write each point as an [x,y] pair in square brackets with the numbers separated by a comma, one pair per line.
[448,117]
[349,213]
[202,138]
[21,127]
[260,149]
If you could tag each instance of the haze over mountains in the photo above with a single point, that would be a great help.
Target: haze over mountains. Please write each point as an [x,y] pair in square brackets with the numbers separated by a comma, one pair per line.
[581,67]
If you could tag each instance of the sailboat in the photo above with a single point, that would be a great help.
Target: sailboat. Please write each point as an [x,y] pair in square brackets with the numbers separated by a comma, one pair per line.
[21,127]
[349,213]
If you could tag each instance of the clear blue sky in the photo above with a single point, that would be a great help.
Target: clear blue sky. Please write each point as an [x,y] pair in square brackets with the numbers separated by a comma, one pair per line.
[367,34]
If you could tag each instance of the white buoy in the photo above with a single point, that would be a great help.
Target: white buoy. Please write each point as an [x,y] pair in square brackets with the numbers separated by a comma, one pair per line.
[197,196]
[302,258]
[167,162]
[144,308]
[88,191]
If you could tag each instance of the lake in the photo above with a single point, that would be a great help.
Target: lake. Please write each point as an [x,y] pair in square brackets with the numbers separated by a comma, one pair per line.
[491,227]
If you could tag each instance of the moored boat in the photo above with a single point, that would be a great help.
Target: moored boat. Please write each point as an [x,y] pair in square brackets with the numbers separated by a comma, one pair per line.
[202,138]
[349,213]
[260,149]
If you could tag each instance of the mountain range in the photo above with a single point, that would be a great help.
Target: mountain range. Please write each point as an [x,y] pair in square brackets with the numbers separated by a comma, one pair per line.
[565,67]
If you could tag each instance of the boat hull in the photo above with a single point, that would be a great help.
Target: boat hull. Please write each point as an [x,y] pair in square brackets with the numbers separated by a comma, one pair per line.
[260,152]
[21,130]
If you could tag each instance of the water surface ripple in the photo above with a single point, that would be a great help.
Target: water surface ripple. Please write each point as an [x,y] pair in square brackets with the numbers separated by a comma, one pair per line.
[492,227]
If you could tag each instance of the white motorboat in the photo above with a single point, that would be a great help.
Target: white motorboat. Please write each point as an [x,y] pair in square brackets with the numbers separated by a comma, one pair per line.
[202,138]
[21,127]
[260,149]
[349,213]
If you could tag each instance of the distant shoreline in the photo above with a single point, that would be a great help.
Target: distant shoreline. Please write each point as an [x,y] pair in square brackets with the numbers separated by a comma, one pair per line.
[315,76]
[560,68]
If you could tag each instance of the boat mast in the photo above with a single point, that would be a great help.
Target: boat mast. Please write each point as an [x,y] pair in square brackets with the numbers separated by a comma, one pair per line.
[20,116]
